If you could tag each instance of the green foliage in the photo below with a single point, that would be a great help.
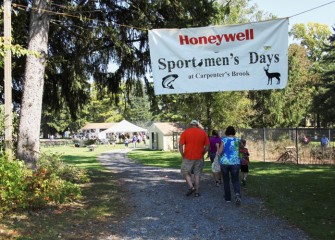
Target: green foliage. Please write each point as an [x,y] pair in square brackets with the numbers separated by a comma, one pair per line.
[138,111]
[298,94]
[52,122]
[101,107]
[213,110]
[238,114]
[16,50]
[13,188]
[89,142]
[324,102]
[15,121]
[53,163]
[314,37]
[45,187]
[238,11]
[53,182]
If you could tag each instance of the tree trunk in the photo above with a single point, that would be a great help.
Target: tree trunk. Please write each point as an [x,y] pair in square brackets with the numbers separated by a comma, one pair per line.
[31,107]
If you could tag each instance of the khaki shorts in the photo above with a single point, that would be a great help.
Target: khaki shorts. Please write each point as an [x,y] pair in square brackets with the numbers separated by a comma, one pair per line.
[192,166]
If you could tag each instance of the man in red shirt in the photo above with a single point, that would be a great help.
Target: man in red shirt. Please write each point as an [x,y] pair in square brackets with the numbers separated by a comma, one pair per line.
[193,145]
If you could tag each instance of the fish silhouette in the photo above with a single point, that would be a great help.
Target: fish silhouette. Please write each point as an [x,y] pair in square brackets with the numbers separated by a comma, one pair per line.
[168,81]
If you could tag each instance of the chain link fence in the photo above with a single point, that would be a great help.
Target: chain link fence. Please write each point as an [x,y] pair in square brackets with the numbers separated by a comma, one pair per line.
[296,145]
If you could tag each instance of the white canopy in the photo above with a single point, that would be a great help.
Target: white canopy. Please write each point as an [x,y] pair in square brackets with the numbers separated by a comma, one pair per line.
[125,126]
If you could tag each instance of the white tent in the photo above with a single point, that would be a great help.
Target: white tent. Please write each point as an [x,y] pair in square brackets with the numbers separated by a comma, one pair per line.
[125,126]
[102,135]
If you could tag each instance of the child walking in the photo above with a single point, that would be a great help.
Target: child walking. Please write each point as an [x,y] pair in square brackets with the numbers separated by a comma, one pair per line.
[244,155]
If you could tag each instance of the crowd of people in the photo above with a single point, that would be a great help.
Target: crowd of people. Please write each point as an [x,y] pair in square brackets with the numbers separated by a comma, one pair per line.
[228,156]
[135,139]
[114,138]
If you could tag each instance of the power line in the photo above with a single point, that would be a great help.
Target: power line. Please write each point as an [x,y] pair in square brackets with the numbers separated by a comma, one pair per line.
[311,9]
[19,6]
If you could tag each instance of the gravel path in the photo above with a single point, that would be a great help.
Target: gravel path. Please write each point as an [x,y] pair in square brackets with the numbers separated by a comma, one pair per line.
[160,209]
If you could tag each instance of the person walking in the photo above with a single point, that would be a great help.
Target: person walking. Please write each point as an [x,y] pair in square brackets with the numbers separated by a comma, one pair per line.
[230,164]
[193,145]
[126,141]
[244,156]
[134,141]
[213,151]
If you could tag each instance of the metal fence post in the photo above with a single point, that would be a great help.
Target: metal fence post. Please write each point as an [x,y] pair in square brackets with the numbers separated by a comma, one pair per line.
[296,144]
[264,144]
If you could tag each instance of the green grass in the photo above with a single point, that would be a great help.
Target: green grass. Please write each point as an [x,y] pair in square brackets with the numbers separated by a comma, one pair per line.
[81,156]
[303,194]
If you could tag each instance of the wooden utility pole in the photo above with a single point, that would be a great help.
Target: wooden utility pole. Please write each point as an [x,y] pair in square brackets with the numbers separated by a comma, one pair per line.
[8,79]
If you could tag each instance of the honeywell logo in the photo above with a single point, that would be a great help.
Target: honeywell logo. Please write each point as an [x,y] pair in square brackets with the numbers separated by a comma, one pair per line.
[246,35]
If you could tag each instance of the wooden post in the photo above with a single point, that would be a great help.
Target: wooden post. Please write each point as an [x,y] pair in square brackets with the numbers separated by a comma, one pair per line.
[8,79]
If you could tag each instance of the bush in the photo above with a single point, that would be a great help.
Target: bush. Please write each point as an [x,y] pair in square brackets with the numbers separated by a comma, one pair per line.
[52,163]
[52,182]
[90,142]
[13,188]
[45,187]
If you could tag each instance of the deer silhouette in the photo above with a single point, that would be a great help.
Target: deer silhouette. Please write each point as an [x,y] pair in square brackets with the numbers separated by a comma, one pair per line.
[271,75]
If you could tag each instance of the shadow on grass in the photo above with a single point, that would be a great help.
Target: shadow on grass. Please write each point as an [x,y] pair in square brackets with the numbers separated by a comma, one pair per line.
[301,193]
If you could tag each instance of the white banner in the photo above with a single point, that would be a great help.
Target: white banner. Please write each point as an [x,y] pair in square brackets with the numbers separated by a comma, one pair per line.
[250,56]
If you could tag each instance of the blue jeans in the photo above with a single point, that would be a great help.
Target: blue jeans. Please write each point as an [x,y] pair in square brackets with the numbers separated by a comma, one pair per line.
[230,171]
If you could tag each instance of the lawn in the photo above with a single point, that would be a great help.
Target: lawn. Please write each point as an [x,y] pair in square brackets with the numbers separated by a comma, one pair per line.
[303,194]
[81,156]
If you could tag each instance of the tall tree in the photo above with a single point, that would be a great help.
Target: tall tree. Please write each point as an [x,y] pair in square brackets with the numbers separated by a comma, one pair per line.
[325,100]
[297,96]
[313,37]
[31,106]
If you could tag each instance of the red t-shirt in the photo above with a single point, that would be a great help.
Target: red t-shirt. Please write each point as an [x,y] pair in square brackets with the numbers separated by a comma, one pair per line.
[194,139]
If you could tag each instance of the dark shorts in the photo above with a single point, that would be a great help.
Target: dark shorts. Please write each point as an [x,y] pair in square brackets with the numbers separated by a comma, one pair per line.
[212,156]
[244,168]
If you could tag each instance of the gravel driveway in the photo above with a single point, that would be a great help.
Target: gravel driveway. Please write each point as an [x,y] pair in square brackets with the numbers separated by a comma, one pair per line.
[160,209]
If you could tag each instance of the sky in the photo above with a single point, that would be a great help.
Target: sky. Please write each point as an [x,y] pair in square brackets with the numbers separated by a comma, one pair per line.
[287,8]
